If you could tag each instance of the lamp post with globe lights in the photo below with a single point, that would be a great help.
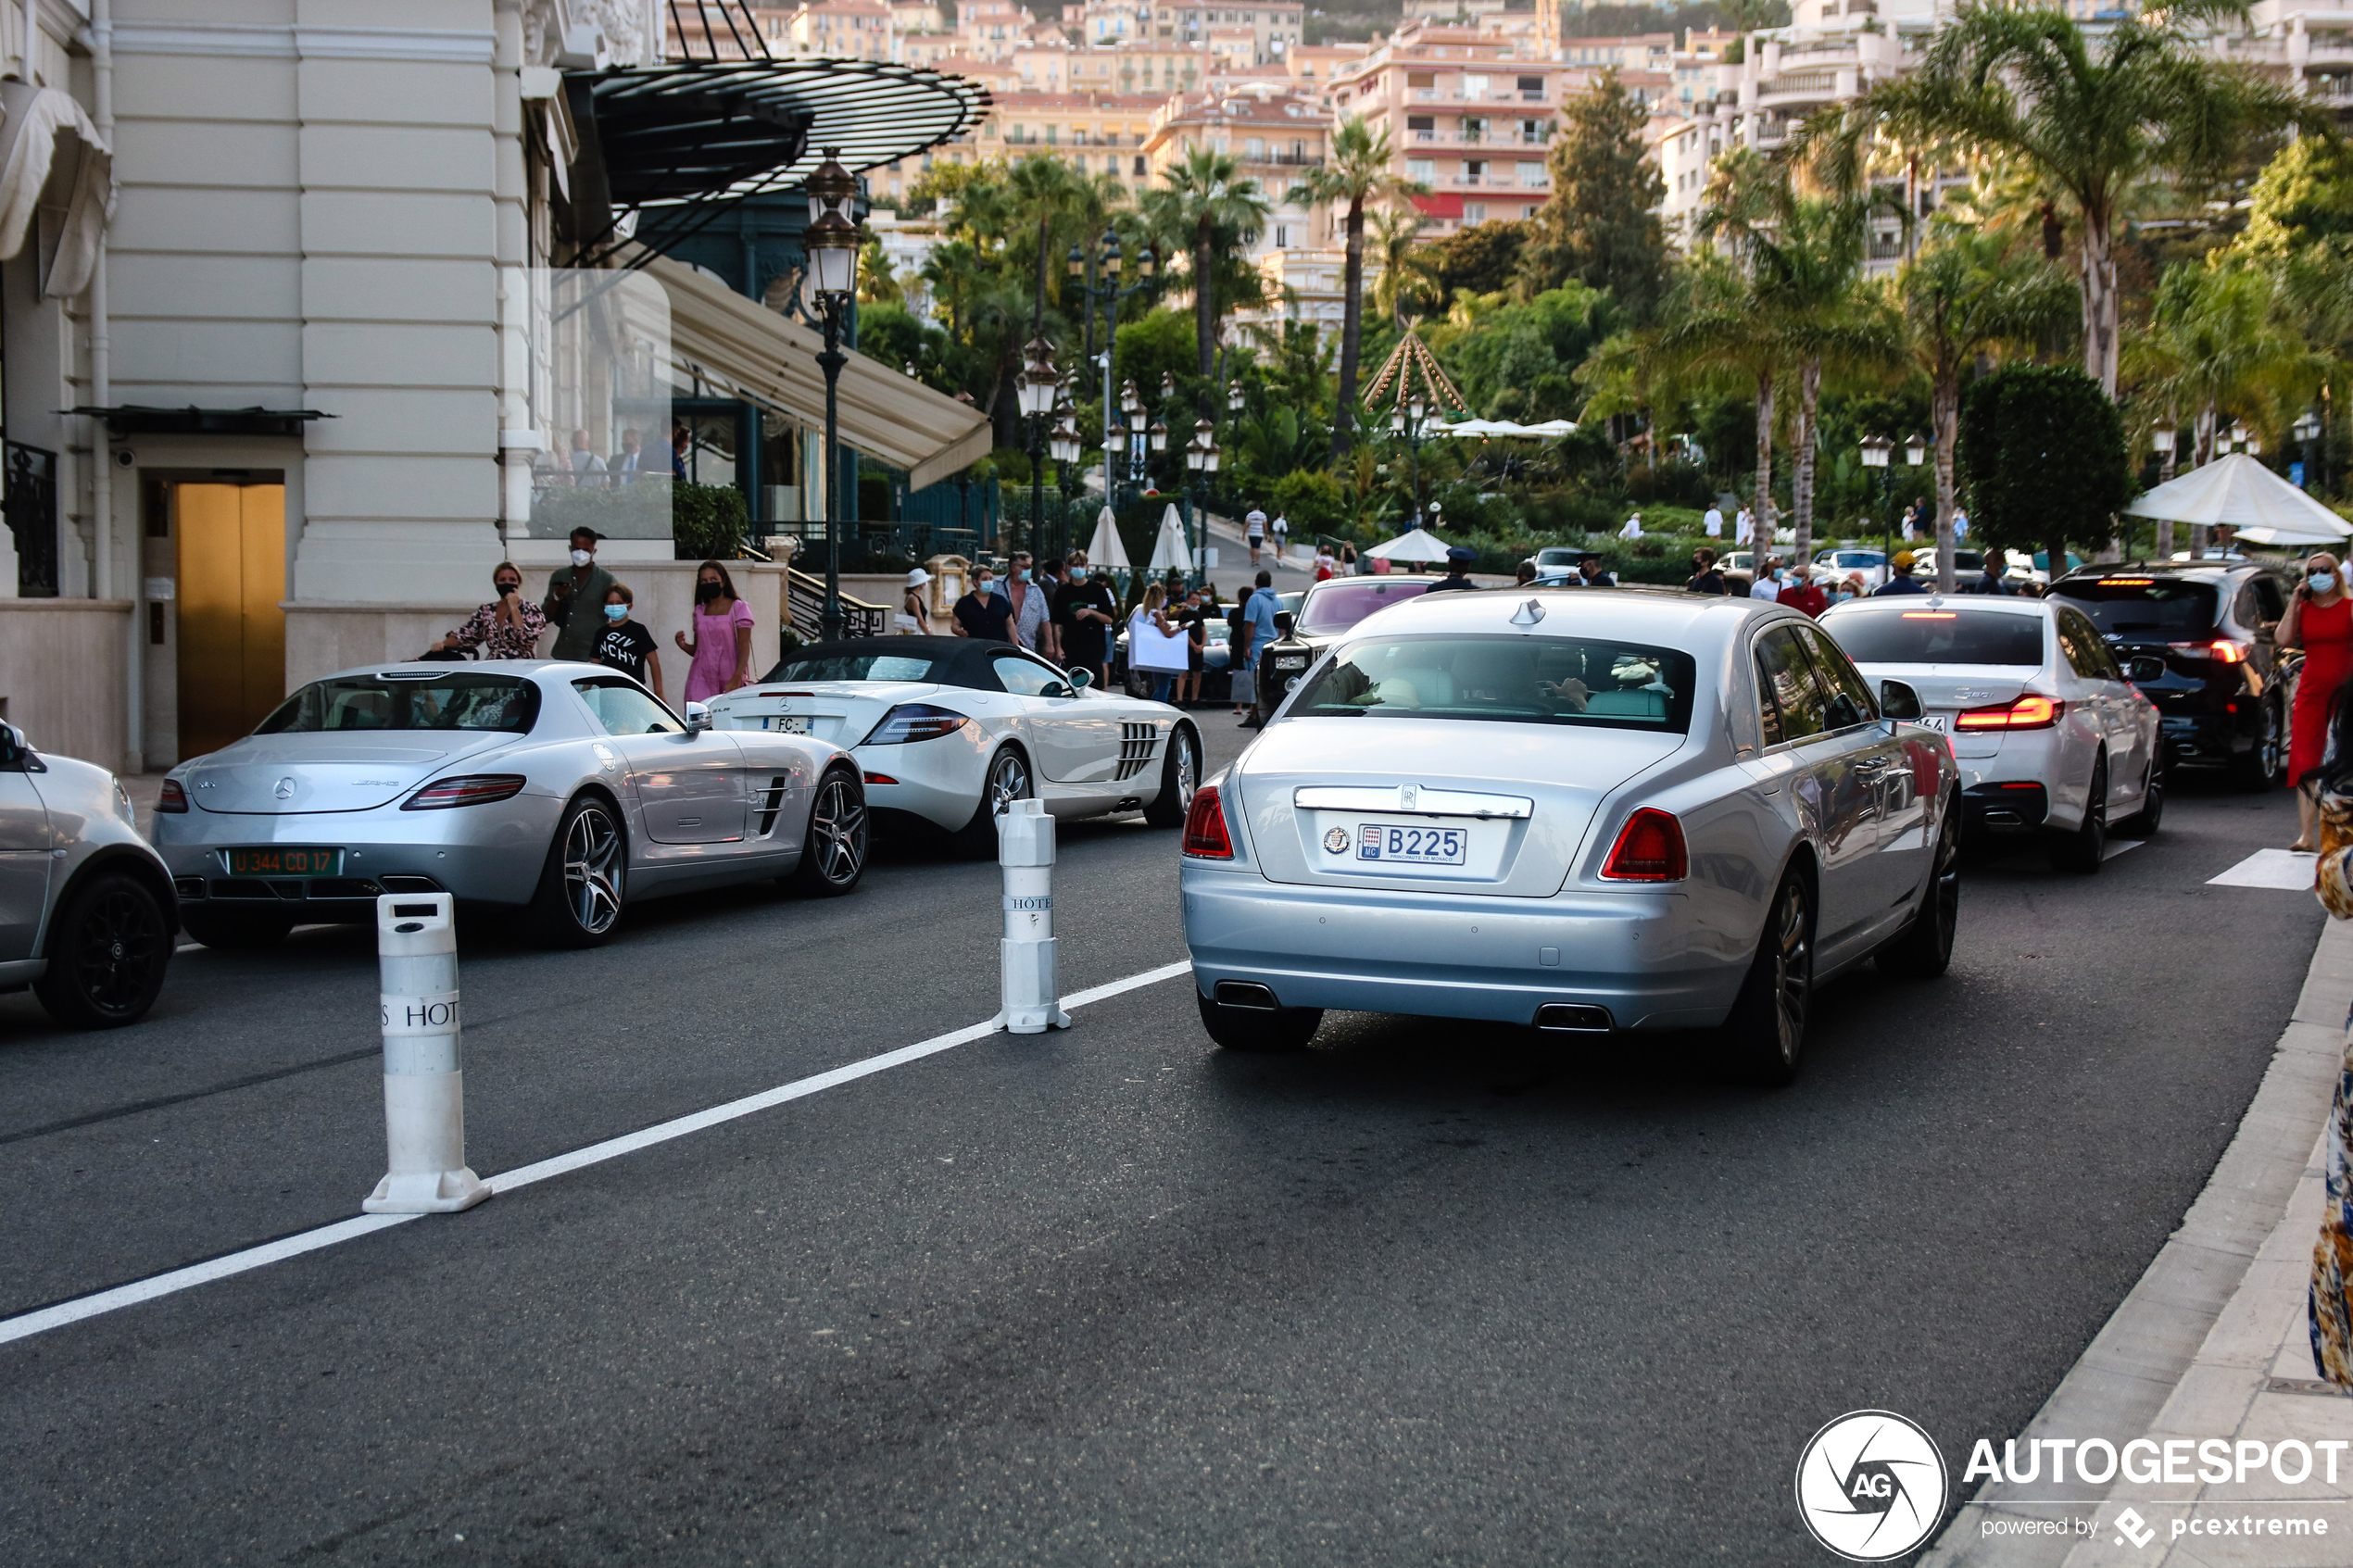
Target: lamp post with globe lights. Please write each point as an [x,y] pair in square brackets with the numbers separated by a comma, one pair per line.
[1201,457]
[832,243]
[1038,383]
[1094,277]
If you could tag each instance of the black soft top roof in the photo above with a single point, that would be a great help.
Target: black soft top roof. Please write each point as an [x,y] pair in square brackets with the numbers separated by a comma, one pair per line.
[956,661]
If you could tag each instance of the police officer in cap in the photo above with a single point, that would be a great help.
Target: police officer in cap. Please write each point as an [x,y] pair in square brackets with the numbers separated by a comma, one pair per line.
[1458,565]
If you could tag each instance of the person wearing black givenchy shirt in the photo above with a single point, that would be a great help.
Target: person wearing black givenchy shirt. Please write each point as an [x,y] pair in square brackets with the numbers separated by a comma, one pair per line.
[1084,609]
[625,646]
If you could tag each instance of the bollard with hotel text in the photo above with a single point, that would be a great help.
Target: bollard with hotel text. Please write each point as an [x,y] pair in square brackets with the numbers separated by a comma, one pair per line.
[1032,990]
[425,1059]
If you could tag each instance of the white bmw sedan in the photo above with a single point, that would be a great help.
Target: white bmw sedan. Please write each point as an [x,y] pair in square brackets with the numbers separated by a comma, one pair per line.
[950,729]
[1588,812]
[2050,734]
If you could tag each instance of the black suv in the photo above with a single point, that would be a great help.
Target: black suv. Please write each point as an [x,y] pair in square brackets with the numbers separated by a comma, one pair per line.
[2224,699]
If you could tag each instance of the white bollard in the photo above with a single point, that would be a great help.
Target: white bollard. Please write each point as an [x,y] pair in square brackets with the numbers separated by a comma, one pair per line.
[1032,991]
[425,1059]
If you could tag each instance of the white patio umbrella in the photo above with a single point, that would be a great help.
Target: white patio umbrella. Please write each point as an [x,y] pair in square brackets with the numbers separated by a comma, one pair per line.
[1474,429]
[1169,551]
[1420,544]
[1104,550]
[2238,491]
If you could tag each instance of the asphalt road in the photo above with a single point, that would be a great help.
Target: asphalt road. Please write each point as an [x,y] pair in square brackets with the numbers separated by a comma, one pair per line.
[1428,1293]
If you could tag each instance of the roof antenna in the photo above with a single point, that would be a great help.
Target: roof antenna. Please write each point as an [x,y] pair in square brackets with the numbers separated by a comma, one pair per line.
[1527,614]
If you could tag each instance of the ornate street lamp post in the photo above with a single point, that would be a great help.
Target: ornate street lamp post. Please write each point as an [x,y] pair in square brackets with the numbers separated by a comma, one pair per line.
[1406,420]
[1040,382]
[832,243]
[1201,457]
[1876,449]
[1095,279]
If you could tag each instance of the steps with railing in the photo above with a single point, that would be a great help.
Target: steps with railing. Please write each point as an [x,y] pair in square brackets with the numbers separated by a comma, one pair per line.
[805,601]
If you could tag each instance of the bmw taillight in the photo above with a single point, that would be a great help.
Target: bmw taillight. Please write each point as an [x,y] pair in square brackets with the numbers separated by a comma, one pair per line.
[1649,848]
[912,722]
[2031,711]
[173,797]
[467,789]
[1205,827]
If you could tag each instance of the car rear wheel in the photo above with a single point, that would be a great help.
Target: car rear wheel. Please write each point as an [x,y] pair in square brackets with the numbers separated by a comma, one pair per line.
[234,930]
[1259,1029]
[1763,1037]
[2144,822]
[583,885]
[107,952]
[2264,765]
[2083,850]
[1180,777]
[833,854]
[1008,780]
[1923,949]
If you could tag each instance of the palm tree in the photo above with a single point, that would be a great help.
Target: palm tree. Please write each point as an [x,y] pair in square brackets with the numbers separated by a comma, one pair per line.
[1799,307]
[1210,207]
[1407,271]
[2026,83]
[1966,291]
[2215,344]
[1356,174]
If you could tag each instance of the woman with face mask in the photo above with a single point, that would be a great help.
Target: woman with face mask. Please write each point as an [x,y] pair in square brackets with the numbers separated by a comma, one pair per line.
[722,645]
[2319,620]
[507,627]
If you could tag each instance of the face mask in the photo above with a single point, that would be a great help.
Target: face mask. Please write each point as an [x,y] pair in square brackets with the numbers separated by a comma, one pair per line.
[616,612]
[581,557]
[1021,576]
[984,587]
[2323,583]
[506,588]
[706,592]
[1078,574]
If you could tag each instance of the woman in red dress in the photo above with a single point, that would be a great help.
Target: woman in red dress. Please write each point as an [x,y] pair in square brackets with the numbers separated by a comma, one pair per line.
[2319,620]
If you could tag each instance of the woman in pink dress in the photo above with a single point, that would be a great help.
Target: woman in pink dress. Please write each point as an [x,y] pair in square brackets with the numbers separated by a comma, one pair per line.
[722,645]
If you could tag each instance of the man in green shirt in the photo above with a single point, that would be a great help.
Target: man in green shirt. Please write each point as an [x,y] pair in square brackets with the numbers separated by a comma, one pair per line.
[575,600]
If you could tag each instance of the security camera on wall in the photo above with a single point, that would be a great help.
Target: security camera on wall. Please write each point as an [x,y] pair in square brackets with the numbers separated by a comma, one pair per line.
[124,459]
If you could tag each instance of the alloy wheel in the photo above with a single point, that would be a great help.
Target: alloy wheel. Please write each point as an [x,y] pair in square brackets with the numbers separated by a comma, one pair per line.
[1947,871]
[1187,766]
[1793,973]
[593,870]
[838,830]
[121,938]
[1008,781]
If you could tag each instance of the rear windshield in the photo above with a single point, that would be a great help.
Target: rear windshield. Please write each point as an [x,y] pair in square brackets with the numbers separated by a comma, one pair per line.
[1341,605]
[1937,636]
[1519,680]
[350,703]
[856,666]
[2156,607]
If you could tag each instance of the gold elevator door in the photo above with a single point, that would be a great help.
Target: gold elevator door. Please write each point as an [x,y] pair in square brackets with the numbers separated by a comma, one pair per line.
[233,635]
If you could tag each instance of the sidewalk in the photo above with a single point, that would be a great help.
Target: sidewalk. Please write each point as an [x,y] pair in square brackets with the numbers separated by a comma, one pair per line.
[2211,1344]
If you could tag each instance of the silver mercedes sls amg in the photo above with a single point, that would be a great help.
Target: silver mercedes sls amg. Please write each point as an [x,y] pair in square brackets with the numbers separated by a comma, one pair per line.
[566,789]
[1583,811]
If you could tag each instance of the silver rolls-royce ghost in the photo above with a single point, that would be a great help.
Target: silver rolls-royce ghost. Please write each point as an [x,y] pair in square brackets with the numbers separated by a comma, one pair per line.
[567,789]
[1582,812]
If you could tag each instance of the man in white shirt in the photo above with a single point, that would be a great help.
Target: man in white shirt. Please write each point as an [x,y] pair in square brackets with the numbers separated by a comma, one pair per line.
[1713,522]
[1768,584]
[1254,527]
[1742,532]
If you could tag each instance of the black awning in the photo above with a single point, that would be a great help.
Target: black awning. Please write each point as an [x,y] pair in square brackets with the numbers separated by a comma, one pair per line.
[138,418]
[696,131]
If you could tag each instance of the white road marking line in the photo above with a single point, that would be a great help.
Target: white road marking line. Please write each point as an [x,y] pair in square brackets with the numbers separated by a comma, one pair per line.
[2117,845]
[2279,869]
[63,1312]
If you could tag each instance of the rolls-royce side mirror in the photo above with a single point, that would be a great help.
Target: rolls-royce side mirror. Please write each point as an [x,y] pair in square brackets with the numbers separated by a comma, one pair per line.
[1283,622]
[1897,700]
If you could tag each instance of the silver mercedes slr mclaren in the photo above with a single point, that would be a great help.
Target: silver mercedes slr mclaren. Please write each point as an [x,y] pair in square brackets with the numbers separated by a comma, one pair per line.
[1589,812]
[567,790]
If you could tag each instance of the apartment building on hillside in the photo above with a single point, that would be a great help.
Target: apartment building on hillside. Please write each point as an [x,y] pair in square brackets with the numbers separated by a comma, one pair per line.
[1276,25]
[1275,137]
[1467,115]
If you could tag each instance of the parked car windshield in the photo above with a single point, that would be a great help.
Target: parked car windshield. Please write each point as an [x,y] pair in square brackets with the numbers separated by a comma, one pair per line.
[855,667]
[2163,607]
[1339,605]
[456,701]
[1523,680]
[1936,636]
[1848,561]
